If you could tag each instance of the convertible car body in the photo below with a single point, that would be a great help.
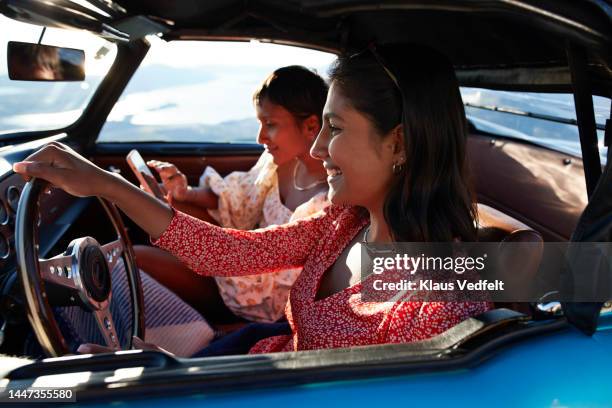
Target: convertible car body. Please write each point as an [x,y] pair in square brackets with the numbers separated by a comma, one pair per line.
[536,80]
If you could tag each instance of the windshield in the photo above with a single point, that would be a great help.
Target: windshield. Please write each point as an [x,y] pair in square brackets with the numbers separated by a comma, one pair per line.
[26,106]
[199,91]
[534,117]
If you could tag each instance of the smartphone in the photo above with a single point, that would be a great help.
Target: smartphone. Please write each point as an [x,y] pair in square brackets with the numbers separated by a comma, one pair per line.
[144,175]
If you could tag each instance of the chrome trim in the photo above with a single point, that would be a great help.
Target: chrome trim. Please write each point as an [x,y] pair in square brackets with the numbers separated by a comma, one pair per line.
[78,246]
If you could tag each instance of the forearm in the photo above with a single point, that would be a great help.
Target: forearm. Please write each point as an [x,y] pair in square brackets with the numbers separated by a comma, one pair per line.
[214,251]
[193,209]
[203,197]
[149,213]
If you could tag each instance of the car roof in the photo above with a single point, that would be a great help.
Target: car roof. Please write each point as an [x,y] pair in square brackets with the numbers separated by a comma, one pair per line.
[498,44]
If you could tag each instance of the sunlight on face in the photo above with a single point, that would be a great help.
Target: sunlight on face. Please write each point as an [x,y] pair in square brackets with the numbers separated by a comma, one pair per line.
[358,160]
[279,132]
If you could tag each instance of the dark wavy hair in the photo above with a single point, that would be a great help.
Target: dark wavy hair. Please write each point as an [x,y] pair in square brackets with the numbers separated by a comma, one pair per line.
[296,88]
[431,198]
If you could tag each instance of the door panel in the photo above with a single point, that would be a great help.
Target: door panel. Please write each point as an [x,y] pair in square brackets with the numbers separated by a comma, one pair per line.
[542,188]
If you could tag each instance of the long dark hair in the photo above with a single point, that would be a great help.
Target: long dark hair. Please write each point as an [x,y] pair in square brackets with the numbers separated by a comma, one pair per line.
[431,199]
[296,88]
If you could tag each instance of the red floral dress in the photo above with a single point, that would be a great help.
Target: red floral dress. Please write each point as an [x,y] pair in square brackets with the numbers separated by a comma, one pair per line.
[339,320]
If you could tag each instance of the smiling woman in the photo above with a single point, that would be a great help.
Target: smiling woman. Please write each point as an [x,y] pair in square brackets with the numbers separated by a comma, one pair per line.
[28,106]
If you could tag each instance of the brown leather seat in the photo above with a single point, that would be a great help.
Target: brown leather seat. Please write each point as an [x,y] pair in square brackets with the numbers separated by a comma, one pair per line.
[495,226]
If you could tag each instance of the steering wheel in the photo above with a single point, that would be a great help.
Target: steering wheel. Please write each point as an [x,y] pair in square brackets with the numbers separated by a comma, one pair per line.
[82,274]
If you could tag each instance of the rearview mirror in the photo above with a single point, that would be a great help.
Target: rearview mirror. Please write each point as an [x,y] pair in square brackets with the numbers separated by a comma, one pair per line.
[36,62]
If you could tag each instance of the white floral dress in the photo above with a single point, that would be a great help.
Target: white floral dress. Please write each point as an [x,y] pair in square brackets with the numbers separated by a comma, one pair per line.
[249,200]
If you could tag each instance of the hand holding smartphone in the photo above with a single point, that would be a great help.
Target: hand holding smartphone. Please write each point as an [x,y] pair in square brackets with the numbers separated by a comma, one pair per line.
[144,175]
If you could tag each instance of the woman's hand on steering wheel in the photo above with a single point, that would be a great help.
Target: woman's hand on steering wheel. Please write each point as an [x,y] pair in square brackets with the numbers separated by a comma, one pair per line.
[66,169]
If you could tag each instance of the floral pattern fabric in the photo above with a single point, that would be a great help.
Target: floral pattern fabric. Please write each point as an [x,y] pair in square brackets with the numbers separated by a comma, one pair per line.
[339,320]
[248,200]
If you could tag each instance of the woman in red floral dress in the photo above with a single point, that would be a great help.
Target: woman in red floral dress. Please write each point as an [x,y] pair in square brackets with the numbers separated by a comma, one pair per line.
[393,144]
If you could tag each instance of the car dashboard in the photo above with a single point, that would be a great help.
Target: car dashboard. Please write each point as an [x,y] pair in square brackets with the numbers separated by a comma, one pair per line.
[10,191]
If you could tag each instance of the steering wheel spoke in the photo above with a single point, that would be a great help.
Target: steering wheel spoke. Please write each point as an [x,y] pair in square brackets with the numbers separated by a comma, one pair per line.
[107,327]
[113,251]
[58,270]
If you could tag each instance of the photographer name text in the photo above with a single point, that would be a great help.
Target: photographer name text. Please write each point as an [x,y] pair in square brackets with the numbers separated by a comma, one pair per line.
[431,285]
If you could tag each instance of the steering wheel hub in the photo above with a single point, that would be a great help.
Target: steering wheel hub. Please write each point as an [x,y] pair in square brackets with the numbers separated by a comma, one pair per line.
[90,272]
[94,273]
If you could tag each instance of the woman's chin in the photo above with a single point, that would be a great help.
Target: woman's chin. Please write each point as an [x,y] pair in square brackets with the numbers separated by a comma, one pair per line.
[276,160]
[280,159]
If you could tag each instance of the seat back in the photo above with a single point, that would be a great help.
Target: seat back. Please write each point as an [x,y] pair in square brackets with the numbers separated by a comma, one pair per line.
[495,226]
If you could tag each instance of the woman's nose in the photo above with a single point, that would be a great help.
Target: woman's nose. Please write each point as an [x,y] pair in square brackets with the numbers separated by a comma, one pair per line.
[319,147]
[262,136]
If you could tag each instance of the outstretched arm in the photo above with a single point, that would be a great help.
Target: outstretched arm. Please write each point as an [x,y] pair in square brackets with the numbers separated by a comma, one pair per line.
[215,251]
[205,248]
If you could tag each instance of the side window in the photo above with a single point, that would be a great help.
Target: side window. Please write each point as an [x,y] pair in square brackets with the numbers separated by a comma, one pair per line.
[195,91]
[534,117]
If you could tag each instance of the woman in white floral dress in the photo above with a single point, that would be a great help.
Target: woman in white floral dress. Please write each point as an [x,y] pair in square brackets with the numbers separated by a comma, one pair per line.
[285,184]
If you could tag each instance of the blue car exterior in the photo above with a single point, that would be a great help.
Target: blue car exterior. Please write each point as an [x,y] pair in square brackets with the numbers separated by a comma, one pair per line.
[563,369]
